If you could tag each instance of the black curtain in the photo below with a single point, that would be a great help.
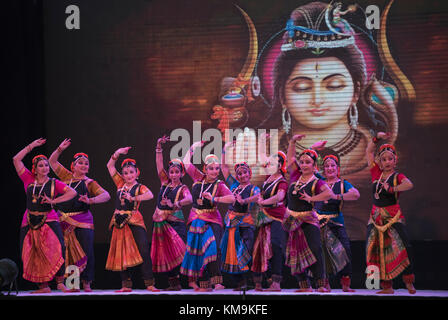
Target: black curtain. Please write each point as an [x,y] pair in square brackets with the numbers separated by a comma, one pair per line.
[23,108]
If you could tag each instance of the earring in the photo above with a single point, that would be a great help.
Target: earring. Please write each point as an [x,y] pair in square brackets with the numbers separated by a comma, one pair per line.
[286,122]
[353,115]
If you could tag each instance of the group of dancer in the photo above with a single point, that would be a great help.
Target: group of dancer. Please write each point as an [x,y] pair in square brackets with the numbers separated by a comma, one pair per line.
[295,219]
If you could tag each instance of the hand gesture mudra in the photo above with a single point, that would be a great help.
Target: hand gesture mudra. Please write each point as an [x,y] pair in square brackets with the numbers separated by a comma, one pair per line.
[123,150]
[65,144]
[38,142]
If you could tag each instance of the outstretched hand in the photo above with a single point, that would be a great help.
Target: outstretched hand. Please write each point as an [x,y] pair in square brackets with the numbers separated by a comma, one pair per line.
[65,144]
[37,143]
[162,140]
[124,150]
[197,144]
[319,145]
[298,137]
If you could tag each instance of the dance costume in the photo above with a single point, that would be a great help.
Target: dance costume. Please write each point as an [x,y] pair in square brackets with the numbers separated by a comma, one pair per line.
[238,239]
[203,257]
[41,238]
[169,231]
[304,247]
[388,245]
[77,223]
[269,246]
[335,241]
[129,245]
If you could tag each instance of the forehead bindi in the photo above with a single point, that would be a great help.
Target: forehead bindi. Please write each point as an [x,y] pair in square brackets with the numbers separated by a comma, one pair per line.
[128,170]
[319,68]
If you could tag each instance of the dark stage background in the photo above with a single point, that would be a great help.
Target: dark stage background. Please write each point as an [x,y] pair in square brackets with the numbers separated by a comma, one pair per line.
[136,70]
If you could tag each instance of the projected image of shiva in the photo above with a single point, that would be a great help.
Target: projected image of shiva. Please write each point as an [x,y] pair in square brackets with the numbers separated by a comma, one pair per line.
[322,89]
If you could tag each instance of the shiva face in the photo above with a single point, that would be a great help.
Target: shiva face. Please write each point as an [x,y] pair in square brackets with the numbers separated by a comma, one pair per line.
[319,92]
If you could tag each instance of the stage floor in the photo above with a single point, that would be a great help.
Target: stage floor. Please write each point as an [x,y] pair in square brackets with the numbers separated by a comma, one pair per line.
[190,294]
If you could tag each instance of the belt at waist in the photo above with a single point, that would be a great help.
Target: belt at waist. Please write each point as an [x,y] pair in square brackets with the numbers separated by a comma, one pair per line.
[298,214]
[38,213]
[69,214]
[203,211]
[278,204]
[240,214]
[124,212]
[326,218]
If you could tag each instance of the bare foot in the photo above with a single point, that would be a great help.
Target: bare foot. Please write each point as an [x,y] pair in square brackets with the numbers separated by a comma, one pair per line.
[152,289]
[386,291]
[124,290]
[63,288]
[323,290]
[86,286]
[204,290]
[275,287]
[42,290]
[304,290]
[219,286]
[411,288]
[193,285]
[348,289]
[258,287]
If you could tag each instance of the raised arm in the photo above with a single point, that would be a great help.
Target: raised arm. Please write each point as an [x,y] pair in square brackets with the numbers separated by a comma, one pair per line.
[18,158]
[159,153]
[189,154]
[53,160]
[224,166]
[371,146]
[114,158]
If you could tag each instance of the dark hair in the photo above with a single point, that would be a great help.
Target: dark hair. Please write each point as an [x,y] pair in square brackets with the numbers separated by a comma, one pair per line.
[350,55]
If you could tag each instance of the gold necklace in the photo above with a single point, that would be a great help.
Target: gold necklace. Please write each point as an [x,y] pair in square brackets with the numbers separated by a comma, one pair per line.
[300,184]
[34,188]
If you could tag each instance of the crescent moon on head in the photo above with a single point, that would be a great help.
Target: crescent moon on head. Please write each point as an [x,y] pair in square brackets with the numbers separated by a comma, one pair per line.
[404,85]
[249,64]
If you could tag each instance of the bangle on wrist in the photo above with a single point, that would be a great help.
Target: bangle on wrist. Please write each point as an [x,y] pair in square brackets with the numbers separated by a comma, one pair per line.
[375,140]
[114,157]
